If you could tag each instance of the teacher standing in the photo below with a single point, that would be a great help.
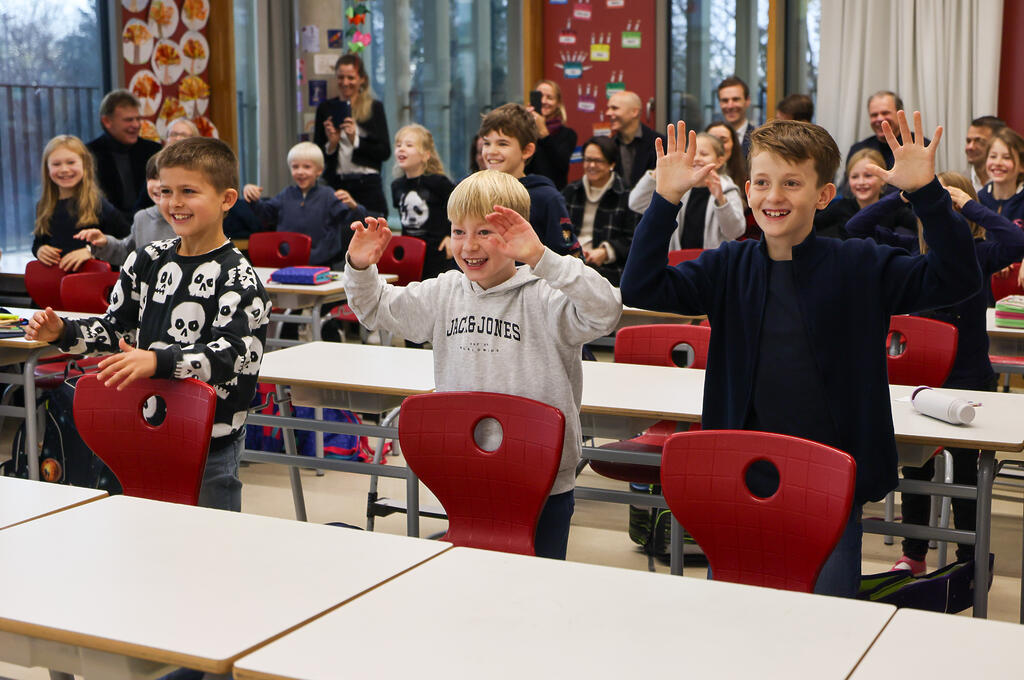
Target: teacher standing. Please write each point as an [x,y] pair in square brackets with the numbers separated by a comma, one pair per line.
[353,132]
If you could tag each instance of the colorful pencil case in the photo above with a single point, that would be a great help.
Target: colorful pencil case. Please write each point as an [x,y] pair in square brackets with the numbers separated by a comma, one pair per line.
[310,276]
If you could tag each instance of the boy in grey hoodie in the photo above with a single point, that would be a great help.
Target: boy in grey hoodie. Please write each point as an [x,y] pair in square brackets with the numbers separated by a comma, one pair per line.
[494,326]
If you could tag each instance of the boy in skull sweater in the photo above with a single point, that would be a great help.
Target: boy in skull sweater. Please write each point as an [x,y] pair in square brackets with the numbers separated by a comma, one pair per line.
[191,306]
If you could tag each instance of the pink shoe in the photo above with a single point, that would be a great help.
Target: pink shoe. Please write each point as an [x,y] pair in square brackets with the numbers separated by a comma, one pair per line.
[915,567]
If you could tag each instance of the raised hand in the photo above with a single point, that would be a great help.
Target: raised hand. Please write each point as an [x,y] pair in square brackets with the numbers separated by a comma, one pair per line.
[122,369]
[958,196]
[914,163]
[251,192]
[446,247]
[44,326]
[368,242]
[514,236]
[345,198]
[333,135]
[674,173]
[714,185]
[92,236]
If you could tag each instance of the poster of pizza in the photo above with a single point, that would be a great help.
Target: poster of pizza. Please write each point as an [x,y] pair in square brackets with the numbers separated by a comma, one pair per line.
[166,53]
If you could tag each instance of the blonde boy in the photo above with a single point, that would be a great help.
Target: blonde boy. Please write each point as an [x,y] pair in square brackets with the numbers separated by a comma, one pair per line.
[495,326]
[192,306]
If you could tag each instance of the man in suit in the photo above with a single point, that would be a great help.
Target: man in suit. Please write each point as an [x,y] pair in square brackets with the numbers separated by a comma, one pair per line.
[120,153]
[734,100]
[634,139]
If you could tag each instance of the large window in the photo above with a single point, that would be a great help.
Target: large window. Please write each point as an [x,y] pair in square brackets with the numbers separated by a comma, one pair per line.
[52,78]
[451,65]
[713,39]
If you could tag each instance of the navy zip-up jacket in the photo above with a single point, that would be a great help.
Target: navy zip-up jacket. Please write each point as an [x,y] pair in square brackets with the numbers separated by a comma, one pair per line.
[848,291]
[1002,246]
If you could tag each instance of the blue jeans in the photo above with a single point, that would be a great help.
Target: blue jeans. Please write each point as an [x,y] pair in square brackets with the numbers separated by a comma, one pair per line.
[221,488]
[552,535]
[840,576]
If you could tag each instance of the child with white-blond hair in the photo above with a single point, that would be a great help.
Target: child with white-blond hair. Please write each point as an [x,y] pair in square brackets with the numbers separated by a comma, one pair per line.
[496,326]
[420,194]
[308,207]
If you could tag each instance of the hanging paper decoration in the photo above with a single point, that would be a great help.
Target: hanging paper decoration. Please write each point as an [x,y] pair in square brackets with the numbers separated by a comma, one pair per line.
[356,14]
[631,36]
[600,47]
[572,64]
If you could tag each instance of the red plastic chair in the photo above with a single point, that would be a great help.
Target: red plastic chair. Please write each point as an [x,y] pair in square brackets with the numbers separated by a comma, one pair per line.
[920,351]
[43,282]
[493,499]
[781,541]
[653,345]
[162,461]
[279,249]
[684,255]
[1001,287]
[89,293]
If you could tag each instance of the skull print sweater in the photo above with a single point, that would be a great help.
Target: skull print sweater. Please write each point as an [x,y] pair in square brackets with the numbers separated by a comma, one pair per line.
[205,317]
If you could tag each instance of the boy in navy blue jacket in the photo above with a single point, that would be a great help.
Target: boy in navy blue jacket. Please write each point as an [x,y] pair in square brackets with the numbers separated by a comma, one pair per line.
[798,322]
[509,136]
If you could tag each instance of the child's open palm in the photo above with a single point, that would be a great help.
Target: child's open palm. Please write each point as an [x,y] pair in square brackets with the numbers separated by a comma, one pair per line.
[514,236]
[368,242]
[674,173]
[913,162]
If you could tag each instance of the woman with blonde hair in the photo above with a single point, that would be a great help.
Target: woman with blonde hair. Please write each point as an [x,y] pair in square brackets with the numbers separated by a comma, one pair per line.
[352,131]
[555,142]
[71,201]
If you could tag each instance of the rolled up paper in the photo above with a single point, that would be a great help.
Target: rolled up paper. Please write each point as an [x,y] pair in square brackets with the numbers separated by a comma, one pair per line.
[942,406]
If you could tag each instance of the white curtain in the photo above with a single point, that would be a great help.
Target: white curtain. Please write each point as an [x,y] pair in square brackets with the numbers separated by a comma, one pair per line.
[940,56]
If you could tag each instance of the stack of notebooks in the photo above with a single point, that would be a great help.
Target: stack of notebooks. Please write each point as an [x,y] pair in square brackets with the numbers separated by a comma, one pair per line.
[1010,312]
[11,325]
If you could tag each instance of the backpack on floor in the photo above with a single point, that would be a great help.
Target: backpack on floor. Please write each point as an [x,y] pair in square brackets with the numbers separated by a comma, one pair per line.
[947,590]
[64,457]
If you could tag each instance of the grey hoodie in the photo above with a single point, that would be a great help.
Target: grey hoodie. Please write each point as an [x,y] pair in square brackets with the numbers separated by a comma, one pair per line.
[522,337]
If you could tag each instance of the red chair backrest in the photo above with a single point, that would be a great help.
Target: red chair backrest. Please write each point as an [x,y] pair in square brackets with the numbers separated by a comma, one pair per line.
[43,282]
[493,499]
[404,257]
[279,249]
[88,293]
[653,344]
[684,255]
[920,351]
[1001,287]
[780,541]
[163,461]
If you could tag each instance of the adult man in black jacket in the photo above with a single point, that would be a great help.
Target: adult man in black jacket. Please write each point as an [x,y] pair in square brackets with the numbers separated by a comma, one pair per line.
[120,153]
[634,139]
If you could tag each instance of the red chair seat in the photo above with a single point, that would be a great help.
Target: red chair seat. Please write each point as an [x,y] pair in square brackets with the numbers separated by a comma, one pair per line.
[1005,360]
[630,472]
[50,375]
[279,249]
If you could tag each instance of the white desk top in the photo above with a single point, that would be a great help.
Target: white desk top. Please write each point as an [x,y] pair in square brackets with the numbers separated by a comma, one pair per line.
[20,342]
[23,499]
[929,645]
[185,585]
[324,289]
[620,389]
[650,313]
[479,614]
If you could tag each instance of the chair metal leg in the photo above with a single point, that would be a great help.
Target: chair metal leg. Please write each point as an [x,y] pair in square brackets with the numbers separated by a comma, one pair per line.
[947,477]
[890,513]
[378,456]
[288,435]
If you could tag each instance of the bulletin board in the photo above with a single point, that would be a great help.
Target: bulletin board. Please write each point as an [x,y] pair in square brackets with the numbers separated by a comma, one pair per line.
[166,62]
[593,48]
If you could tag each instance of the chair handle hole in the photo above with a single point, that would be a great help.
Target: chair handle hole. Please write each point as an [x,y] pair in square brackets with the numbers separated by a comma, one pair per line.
[399,253]
[683,355]
[895,344]
[284,248]
[488,434]
[154,410]
[762,478]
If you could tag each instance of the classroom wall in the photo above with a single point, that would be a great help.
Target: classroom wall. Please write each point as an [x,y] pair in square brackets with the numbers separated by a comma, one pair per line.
[1011,68]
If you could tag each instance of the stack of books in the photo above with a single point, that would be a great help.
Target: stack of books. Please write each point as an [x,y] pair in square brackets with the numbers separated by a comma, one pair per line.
[1010,312]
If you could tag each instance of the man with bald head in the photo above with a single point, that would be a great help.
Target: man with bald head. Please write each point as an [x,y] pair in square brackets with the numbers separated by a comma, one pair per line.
[882,106]
[634,139]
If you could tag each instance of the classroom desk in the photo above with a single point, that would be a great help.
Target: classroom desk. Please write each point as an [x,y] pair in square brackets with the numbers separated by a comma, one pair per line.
[303,297]
[22,500]
[150,586]
[936,646]
[622,399]
[634,316]
[480,614]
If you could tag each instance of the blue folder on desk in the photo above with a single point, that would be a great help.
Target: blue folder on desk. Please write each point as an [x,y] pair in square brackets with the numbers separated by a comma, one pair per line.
[303,275]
